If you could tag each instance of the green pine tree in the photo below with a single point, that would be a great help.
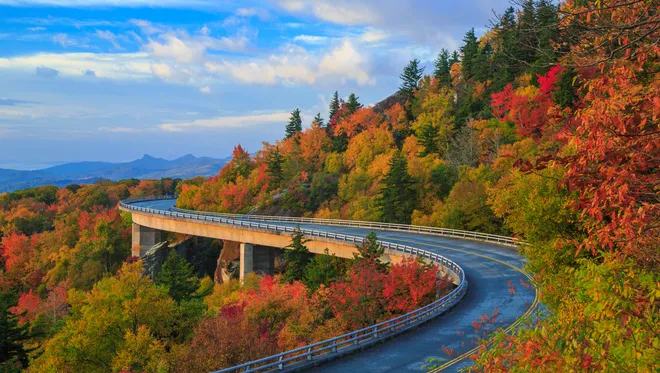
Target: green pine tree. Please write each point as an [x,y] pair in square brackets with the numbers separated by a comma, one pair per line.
[339,142]
[352,104]
[179,277]
[295,124]
[470,50]
[13,355]
[546,33]
[398,197]
[274,163]
[428,137]
[443,179]
[455,58]
[483,64]
[334,106]
[318,121]
[443,68]
[372,251]
[410,76]
[323,270]
[526,27]
[297,258]
[505,64]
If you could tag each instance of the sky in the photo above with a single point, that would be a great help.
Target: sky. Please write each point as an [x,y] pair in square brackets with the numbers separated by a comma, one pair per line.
[111,80]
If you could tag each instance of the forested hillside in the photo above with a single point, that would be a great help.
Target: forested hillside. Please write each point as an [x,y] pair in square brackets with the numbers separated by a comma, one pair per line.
[546,127]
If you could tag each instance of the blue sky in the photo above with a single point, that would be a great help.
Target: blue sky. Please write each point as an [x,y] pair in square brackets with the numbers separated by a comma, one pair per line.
[114,79]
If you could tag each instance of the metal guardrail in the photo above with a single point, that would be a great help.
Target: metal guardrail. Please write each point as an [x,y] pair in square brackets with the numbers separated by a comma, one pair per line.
[444,232]
[329,348]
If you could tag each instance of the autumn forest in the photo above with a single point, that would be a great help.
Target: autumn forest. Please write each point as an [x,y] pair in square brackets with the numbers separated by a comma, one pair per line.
[545,128]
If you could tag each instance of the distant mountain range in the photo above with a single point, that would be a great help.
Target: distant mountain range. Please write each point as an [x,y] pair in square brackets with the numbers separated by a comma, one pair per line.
[147,167]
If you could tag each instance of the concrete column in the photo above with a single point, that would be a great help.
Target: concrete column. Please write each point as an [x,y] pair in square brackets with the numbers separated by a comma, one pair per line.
[247,259]
[264,260]
[144,238]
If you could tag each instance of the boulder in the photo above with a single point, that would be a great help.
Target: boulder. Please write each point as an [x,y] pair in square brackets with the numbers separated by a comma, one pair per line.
[228,263]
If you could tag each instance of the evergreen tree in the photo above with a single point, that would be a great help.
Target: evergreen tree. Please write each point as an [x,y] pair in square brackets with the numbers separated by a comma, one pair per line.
[318,121]
[398,198]
[179,277]
[455,58]
[12,336]
[443,68]
[565,95]
[526,33]
[505,65]
[334,106]
[470,51]
[427,137]
[274,162]
[410,76]
[295,124]
[546,33]
[297,258]
[483,65]
[352,104]
[443,179]
[339,142]
[323,270]
[372,251]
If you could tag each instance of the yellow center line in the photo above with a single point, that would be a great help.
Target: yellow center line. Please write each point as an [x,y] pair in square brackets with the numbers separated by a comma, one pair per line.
[510,327]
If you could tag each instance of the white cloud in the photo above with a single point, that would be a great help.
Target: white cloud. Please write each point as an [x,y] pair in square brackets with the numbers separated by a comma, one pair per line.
[135,36]
[346,62]
[146,26]
[205,30]
[340,12]
[162,70]
[184,48]
[109,37]
[40,23]
[63,40]
[373,36]
[123,129]
[295,65]
[104,65]
[262,14]
[347,14]
[176,49]
[205,90]
[293,5]
[311,39]
[239,121]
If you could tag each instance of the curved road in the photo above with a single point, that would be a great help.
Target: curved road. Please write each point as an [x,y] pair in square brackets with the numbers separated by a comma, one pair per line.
[496,284]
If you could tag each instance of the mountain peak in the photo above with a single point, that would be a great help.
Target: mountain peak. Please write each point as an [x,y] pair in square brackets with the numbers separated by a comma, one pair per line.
[187,157]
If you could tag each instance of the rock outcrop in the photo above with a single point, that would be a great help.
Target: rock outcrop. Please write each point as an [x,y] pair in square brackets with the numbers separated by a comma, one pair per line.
[228,262]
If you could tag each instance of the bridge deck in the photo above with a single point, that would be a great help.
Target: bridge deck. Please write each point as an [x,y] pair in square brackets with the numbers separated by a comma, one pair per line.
[488,267]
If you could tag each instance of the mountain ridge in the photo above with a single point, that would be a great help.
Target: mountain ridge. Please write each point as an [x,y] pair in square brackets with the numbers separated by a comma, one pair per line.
[147,167]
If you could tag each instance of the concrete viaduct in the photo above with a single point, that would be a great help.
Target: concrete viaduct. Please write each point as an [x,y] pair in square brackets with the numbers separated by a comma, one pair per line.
[490,264]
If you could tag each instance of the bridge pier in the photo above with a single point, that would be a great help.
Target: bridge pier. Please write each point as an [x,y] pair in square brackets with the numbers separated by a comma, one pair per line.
[256,258]
[247,259]
[144,238]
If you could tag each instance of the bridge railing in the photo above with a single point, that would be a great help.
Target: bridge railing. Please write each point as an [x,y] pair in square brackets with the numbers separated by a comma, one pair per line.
[444,232]
[345,343]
